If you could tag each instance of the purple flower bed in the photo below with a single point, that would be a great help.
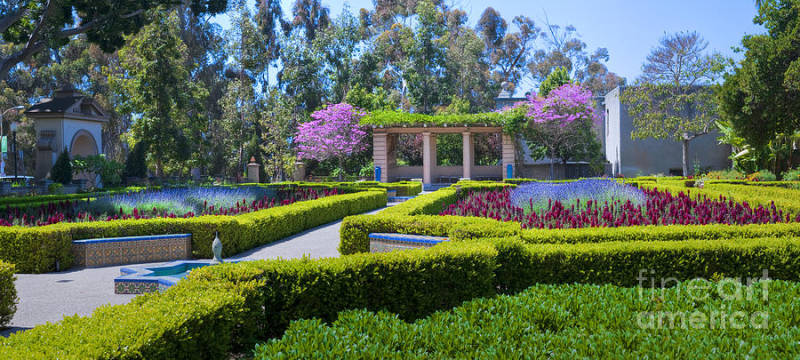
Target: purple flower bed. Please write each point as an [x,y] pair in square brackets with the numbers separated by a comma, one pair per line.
[632,207]
[170,203]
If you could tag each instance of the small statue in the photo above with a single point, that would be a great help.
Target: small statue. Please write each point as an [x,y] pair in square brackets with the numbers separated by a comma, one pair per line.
[216,248]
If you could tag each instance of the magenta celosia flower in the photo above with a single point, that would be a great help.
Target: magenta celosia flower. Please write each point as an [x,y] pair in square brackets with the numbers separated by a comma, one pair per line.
[333,132]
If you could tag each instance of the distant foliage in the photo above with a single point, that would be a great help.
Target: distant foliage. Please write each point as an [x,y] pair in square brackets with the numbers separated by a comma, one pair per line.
[135,164]
[556,79]
[62,169]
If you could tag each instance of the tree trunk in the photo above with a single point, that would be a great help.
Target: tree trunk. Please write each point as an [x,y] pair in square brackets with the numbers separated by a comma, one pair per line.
[552,166]
[341,168]
[685,153]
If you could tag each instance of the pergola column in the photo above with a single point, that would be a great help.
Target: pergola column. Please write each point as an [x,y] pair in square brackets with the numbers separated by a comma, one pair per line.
[428,157]
[508,156]
[380,154]
[469,152]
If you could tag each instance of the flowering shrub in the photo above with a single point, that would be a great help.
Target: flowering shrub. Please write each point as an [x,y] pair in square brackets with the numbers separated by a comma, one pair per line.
[612,209]
[563,105]
[168,203]
[333,133]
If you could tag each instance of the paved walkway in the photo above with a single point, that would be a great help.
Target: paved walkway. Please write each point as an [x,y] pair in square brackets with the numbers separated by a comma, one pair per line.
[49,297]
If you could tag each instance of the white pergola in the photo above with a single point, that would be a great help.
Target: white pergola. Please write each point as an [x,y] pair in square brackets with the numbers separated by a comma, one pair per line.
[384,157]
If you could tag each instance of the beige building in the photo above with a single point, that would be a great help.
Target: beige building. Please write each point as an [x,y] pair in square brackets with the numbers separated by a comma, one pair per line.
[70,120]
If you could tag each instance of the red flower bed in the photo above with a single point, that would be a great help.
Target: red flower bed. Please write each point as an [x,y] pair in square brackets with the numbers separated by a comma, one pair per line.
[660,208]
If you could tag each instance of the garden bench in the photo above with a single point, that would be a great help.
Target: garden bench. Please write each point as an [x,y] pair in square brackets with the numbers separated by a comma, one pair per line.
[131,250]
[385,242]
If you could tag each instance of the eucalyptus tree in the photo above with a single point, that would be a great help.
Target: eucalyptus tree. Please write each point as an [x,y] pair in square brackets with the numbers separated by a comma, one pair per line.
[563,48]
[508,52]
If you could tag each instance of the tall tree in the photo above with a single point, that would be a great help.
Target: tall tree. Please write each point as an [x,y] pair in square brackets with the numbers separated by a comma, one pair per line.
[565,49]
[673,98]
[426,69]
[467,68]
[157,86]
[311,17]
[278,122]
[270,21]
[761,97]
[508,52]
[240,117]
[33,26]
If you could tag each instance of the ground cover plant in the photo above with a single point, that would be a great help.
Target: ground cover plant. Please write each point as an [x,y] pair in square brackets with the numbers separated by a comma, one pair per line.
[567,322]
[167,203]
[607,203]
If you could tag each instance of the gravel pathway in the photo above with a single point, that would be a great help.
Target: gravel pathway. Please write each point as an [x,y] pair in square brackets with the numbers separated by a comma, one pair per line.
[49,297]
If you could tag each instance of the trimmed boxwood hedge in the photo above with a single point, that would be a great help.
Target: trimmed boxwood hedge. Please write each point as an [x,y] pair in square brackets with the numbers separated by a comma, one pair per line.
[193,320]
[224,308]
[8,293]
[39,249]
[564,322]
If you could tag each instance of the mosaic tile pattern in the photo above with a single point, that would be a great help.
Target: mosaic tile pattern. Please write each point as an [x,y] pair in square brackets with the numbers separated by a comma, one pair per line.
[136,287]
[131,250]
[379,242]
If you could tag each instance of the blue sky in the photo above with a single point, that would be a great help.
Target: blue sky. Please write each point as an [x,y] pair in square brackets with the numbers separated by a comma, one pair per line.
[628,28]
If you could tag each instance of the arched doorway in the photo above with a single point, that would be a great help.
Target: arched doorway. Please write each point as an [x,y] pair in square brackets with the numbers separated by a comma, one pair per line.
[84,144]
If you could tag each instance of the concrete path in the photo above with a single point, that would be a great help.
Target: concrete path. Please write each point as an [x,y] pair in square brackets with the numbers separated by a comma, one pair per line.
[49,297]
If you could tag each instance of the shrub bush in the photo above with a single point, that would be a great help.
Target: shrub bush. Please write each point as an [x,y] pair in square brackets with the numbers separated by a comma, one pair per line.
[62,169]
[193,320]
[39,249]
[8,293]
[576,321]
[791,175]
[135,165]
[762,175]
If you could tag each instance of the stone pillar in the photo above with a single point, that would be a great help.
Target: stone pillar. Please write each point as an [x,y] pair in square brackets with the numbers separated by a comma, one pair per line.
[469,154]
[299,171]
[508,156]
[252,170]
[380,153]
[428,157]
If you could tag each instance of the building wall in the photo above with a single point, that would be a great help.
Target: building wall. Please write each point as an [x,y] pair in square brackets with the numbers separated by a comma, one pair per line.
[631,157]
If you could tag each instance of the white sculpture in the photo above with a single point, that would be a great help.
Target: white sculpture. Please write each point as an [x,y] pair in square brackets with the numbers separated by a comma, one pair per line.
[216,248]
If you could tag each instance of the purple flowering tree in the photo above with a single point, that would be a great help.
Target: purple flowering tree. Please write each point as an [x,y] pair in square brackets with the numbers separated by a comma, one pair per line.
[562,125]
[333,133]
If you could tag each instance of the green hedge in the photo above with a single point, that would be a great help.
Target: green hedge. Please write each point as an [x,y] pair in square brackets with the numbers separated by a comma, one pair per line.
[38,249]
[620,263]
[355,230]
[218,309]
[193,320]
[561,321]
[426,204]
[509,120]
[222,308]
[8,293]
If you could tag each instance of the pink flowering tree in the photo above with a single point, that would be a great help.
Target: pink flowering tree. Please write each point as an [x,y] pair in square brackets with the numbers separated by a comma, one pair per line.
[333,133]
[561,125]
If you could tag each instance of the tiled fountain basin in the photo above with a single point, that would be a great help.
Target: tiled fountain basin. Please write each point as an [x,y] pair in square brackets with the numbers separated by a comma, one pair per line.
[385,242]
[145,279]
